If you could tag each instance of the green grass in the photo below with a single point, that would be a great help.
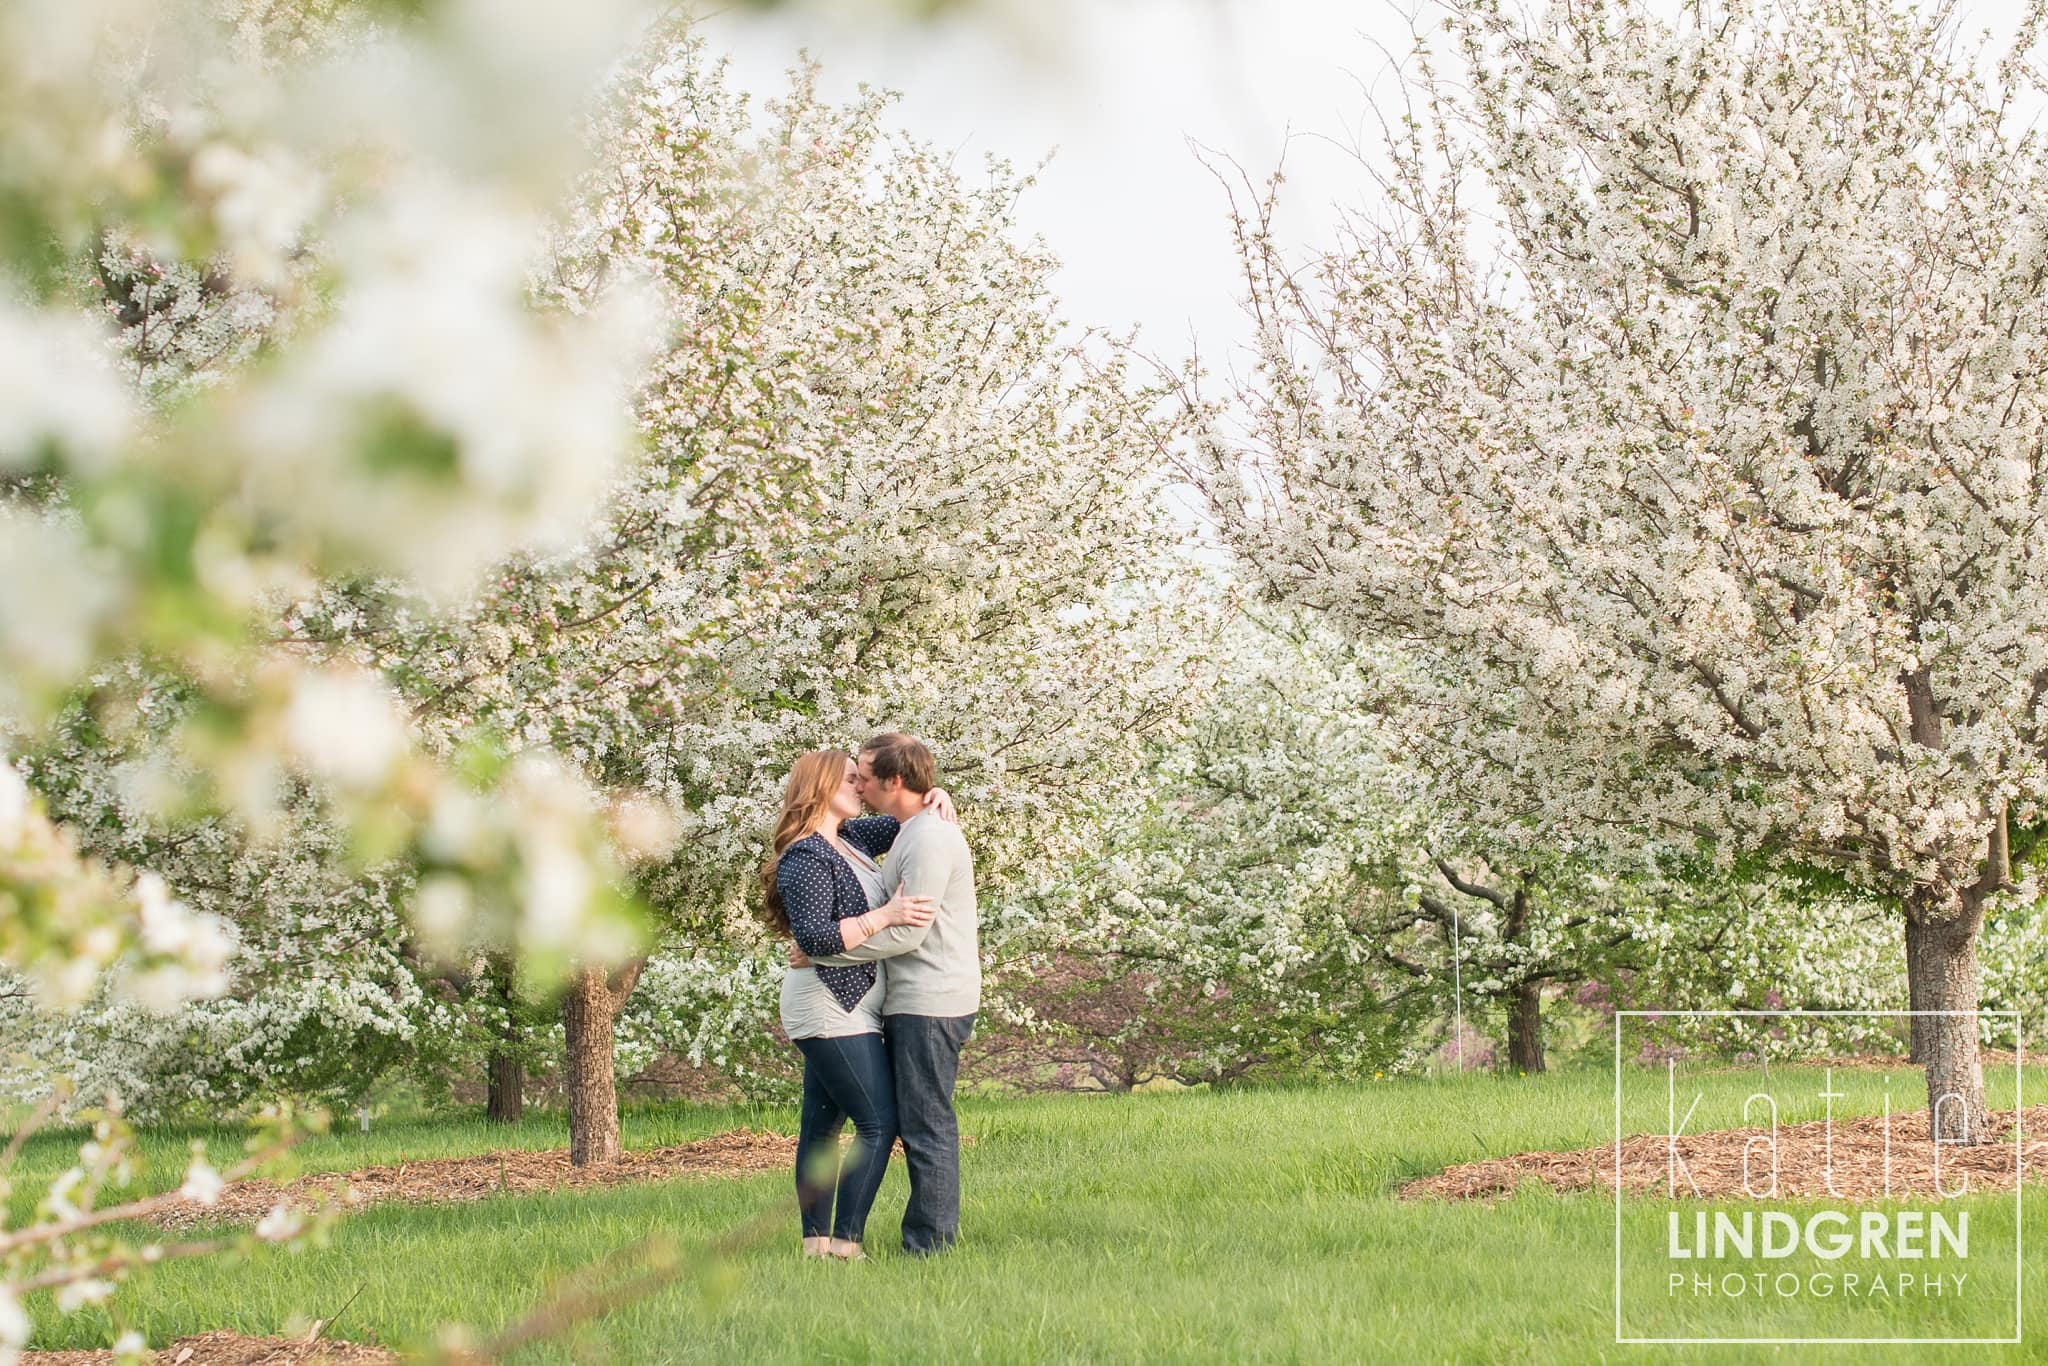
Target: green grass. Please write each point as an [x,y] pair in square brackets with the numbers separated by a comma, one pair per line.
[1225,1226]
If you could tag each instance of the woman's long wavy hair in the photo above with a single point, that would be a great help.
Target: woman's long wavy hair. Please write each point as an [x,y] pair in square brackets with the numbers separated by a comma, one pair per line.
[808,791]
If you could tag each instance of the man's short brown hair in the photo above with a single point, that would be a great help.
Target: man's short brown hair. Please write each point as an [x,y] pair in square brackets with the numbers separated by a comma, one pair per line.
[897,755]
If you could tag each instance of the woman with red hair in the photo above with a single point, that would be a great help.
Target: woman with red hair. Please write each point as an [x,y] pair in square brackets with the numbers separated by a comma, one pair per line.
[823,889]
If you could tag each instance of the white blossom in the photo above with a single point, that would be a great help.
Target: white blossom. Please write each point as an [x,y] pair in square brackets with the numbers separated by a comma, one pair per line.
[85,1292]
[347,727]
[14,1324]
[202,1184]
[56,386]
[281,1224]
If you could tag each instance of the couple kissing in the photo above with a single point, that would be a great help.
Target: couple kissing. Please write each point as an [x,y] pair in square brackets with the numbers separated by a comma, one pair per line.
[883,985]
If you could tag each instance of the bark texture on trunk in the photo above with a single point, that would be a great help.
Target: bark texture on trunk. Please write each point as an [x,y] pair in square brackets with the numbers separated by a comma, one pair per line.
[1525,1027]
[1525,999]
[505,1102]
[504,1073]
[1917,1027]
[1941,954]
[1941,967]
[589,1012]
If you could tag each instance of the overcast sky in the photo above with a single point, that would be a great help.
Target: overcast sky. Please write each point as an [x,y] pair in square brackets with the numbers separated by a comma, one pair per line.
[1114,95]
[1113,90]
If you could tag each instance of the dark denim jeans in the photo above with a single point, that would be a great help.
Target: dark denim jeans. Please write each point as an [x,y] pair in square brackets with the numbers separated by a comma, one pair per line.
[924,1052]
[843,1077]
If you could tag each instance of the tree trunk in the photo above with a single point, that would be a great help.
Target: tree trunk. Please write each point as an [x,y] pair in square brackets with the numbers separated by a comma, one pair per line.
[1941,955]
[506,1100]
[1941,965]
[1525,1000]
[505,1074]
[1917,1032]
[1525,1027]
[589,1011]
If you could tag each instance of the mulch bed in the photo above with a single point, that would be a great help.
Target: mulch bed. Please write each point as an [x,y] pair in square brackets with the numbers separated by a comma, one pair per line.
[233,1349]
[1715,1161]
[452,1180]
[1880,1062]
[449,1180]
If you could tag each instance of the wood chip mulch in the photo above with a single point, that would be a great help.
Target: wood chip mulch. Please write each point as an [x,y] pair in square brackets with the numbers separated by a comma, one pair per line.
[452,1180]
[1884,1062]
[1715,1160]
[448,1180]
[233,1349]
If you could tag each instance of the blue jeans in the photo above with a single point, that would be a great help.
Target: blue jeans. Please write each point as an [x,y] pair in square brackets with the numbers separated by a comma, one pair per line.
[843,1077]
[924,1053]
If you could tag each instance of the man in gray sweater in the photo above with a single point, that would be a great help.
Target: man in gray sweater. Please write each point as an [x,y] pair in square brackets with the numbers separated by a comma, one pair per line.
[933,980]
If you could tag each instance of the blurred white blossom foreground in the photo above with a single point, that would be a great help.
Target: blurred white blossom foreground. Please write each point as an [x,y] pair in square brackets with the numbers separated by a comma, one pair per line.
[320,240]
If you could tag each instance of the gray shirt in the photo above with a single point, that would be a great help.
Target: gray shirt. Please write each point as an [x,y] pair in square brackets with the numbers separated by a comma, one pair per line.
[809,1009]
[933,969]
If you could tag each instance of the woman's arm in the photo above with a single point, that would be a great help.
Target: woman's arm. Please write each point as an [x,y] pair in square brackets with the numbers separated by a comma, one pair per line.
[808,899]
[898,910]
[806,884]
[872,835]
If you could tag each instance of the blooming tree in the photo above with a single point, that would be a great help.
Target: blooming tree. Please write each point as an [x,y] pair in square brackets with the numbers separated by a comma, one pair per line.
[1325,896]
[1218,931]
[1511,928]
[268,315]
[887,487]
[1506,929]
[1680,409]
[163,517]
